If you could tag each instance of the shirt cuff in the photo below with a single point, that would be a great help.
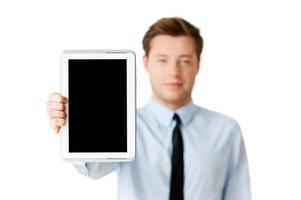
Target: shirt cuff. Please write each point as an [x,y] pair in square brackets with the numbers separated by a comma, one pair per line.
[81,167]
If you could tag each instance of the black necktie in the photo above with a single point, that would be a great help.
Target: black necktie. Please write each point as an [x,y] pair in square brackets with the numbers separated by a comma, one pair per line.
[177,170]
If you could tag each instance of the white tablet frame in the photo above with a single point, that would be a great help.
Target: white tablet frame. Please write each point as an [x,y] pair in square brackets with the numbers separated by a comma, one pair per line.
[131,105]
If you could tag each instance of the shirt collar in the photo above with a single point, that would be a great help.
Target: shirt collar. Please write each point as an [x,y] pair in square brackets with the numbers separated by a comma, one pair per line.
[164,114]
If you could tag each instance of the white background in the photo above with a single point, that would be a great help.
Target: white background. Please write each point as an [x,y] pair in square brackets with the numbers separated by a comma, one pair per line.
[250,70]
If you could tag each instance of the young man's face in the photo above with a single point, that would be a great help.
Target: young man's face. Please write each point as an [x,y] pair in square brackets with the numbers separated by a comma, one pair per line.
[172,65]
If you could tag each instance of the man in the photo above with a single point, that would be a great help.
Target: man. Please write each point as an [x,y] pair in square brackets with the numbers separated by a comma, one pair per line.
[184,151]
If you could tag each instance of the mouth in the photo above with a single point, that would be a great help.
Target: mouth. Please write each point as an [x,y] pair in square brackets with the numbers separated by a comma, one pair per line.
[173,85]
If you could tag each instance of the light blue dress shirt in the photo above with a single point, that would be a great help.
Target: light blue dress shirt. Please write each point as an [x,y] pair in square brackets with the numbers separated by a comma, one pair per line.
[215,160]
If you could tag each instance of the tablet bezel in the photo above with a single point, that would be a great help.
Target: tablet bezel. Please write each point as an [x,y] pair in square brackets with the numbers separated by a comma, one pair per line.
[131,105]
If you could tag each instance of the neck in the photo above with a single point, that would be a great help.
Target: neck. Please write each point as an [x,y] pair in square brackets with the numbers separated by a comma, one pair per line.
[172,104]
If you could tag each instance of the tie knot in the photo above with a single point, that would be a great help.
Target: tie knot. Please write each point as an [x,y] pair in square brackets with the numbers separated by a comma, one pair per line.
[177,118]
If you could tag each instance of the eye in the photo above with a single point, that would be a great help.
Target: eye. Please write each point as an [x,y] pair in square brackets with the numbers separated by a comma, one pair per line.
[162,60]
[185,62]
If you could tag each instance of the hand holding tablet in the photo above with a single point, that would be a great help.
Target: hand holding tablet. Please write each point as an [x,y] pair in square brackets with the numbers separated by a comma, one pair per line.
[100,86]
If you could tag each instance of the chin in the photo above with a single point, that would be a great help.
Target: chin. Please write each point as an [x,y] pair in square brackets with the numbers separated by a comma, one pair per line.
[174,97]
[175,94]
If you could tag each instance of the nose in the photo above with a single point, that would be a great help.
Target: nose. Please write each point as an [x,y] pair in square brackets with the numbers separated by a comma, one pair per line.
[173,69]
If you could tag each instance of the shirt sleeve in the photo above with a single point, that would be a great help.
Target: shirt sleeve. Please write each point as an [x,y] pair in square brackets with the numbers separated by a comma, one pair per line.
[94,170]
[237,185]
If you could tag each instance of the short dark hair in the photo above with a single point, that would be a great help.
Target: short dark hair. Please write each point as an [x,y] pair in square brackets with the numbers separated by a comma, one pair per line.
[174,26]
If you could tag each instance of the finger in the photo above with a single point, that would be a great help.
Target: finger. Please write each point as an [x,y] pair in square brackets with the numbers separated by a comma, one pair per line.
[52,105]
[52,125]
[57,98]
[57,130]
[57,122]
[56,114]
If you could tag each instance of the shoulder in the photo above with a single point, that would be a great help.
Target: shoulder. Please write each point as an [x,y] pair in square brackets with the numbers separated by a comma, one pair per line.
[215,119]
[141,112]
[219,127]
[143,115]
[211,115]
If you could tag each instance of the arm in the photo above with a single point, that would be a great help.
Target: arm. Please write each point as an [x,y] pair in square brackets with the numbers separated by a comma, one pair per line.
[56,112]
[95,170]
[237,186]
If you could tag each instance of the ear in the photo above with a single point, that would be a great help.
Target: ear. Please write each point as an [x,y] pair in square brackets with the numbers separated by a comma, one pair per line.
[198,69]
[145,62]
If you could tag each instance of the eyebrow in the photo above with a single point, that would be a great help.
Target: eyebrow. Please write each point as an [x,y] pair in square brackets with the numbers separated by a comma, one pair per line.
[181,56]
[189,56]
[161,55]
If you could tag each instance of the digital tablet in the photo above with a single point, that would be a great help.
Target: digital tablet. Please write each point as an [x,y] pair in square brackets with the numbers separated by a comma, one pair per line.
[101,110]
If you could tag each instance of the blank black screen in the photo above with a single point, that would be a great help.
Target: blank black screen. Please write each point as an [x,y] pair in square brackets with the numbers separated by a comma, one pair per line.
[97,105]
